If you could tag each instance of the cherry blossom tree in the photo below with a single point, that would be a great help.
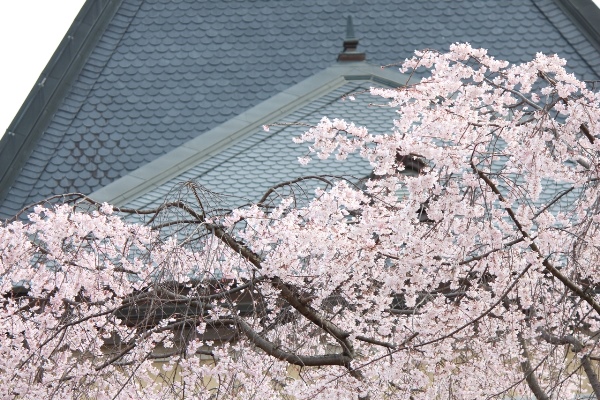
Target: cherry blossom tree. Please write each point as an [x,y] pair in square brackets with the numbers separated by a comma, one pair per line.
[474,276]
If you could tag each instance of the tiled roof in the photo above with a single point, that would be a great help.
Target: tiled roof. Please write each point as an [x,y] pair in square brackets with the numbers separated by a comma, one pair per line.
[244,171]
[310,96]
[164,72]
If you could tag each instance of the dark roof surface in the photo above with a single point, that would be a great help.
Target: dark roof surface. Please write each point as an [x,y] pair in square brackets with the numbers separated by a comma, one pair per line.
[164,72]
[244,171]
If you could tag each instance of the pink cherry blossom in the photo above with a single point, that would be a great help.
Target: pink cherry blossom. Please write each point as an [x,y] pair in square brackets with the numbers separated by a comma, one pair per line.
[465,266]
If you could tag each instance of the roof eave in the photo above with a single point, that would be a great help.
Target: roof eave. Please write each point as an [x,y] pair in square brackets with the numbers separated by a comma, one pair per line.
[586,16]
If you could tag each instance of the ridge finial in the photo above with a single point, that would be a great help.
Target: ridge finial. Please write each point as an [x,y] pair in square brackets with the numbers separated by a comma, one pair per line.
[350,52]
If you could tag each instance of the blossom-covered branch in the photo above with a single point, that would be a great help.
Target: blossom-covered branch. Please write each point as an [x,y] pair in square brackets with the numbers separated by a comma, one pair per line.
[466,265]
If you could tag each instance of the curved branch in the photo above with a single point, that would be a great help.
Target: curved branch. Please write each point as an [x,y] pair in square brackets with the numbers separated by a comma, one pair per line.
[562,340]
[235,245]
[515,92]
[216,229]
[553,201]
[292,298]
[303,361]
[272,189]
[312,315]
[287,293]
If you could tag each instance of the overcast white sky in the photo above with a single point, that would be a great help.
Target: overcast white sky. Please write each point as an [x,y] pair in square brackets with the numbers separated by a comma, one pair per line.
[30,31]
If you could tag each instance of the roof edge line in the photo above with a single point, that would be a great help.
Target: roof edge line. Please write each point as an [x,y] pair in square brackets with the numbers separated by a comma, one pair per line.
[180,159]
[51,87]
[586,17]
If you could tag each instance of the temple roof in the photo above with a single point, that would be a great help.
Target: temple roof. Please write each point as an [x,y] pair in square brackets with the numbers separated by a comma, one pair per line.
[135,79]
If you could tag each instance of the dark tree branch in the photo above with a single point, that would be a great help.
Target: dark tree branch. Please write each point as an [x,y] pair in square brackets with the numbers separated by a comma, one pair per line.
[591,375]
[303,361]
[532,381]
[553,201]
[584,129]
[403,312]
[312,315]
[376,342]
[576,347]
[294,299]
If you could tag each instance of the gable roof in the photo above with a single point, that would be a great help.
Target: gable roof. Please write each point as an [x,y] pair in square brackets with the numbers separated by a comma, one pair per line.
[151,75]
